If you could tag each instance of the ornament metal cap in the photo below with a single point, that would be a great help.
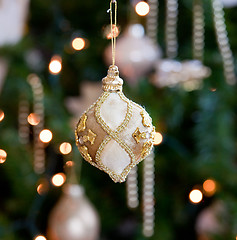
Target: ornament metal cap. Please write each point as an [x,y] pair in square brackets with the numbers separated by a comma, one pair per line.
[112,82]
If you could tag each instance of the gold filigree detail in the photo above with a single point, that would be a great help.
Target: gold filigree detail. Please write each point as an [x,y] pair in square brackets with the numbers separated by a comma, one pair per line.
[82,123]
[89,137]
[84,152]
[146,148]
[137,135]
[146,121]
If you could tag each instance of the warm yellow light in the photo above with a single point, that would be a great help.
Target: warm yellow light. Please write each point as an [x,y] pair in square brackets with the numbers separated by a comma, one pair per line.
[70,163]
[65,148]
[195,196]
[209,187]
[33,119]
[40,238]
[213,89]
[58,179]
[158,138]
[115,32]
[45,136]
[43,187]
[78,44]
[2,115]
[55,66]
[3,156]
[142,8]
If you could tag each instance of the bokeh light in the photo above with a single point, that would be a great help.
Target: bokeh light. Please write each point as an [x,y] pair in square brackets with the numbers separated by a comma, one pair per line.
[40,238]
[115,32]
[209,187]
[43,187]
[55,65]
[65,148]
[69,163]
[142,8]
[78,44]
[58,179]
[2,115]
[158,138]
[45,136]
[195,196]
[3,156]
[33,119]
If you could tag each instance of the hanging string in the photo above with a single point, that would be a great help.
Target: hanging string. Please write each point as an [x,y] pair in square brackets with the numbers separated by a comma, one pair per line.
[113,28]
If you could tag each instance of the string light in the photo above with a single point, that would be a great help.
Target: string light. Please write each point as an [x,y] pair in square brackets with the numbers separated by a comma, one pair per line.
[158,138]
[55,65]
[40,238]
[45,136]
[78,44]
[65,148]
[209,187]
[33,119]
[142,8]
[2,115]
[3,156]
[195,196]
[58,179]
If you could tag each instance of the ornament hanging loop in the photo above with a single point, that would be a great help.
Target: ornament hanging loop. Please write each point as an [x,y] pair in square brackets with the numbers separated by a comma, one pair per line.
[113,26]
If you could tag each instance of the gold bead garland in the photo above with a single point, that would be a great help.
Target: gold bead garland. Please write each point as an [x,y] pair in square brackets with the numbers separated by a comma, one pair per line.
[198,30]
[38,107]
[223,42]
[171,28]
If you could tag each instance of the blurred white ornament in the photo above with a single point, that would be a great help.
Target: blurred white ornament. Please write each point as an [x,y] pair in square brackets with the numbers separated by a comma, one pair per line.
[73,218]
[3,71]
[13,15]
[188,74]
[212,221]
[229,3]
[135,53]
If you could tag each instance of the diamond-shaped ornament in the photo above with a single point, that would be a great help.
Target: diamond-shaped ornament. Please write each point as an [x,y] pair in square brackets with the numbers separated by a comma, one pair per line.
[114,134]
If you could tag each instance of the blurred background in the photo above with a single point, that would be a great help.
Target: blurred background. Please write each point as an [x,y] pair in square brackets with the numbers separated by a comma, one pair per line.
[177,59]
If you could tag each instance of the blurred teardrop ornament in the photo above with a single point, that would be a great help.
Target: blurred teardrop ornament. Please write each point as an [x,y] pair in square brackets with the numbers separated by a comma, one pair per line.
[229,3]
[212,221]
[188,74]
[13,16]
[73,218]
[135,53]
[114,134]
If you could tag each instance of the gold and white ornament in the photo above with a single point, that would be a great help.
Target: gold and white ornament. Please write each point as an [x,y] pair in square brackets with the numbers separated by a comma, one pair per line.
[114,134]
